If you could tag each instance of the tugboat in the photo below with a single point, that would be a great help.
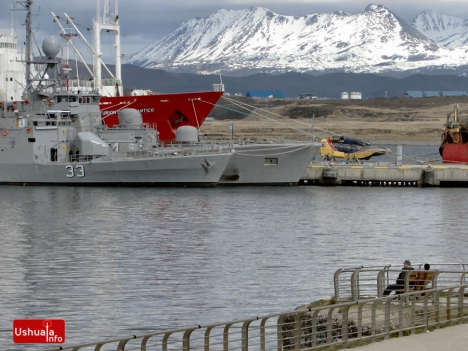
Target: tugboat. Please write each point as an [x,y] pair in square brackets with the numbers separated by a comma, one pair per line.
[57,137]
[454,146]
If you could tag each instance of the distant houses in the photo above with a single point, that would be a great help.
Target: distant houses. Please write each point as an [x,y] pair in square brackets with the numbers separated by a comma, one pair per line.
[433,93]
[454,93]
[266,94]
[307,97]
[354,95]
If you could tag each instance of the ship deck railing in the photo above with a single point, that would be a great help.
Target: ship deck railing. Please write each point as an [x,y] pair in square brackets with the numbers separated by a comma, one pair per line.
[221,139]
[89,84]
[347,324]
[157,153]
[118,128]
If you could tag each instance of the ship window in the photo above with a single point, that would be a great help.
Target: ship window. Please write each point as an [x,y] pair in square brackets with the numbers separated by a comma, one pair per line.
[271,161]
[31,140]
[11,79]
[464,136]
[53,154]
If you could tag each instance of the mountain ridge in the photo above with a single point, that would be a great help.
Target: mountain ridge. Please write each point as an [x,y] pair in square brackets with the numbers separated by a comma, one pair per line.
[257,40]
[447,31]
[293,84]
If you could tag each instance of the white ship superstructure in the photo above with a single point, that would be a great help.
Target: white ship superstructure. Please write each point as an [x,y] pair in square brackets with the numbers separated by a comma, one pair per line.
[107,20]
[12,79]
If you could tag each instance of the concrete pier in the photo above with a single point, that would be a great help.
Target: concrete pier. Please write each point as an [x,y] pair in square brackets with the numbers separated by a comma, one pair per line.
[453,338]
[373,174]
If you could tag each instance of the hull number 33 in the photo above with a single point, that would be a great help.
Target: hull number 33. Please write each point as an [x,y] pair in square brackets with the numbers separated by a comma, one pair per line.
[75,171]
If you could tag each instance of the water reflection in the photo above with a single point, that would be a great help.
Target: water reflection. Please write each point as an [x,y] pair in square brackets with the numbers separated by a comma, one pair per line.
[115,262]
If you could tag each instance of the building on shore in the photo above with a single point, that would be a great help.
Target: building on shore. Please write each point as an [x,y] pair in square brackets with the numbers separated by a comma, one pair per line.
[266,94]
[433,93]
[355,95]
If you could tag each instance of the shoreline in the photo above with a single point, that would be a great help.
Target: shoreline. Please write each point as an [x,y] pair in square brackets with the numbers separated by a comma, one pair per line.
[380,121]
[378,133]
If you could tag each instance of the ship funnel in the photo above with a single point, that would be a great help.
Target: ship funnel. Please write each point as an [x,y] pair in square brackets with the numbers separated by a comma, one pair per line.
[51,47]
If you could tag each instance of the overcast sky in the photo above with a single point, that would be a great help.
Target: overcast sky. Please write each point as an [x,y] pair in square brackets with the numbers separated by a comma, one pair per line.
[143,22]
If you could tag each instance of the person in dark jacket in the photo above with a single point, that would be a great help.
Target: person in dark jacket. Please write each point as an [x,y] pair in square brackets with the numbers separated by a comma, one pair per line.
[400,282]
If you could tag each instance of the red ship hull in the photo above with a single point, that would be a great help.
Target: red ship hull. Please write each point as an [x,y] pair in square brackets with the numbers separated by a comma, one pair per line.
[455,153]
[166,112]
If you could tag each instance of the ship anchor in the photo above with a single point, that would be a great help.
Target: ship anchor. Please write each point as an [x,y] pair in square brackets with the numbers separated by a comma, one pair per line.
[207,165]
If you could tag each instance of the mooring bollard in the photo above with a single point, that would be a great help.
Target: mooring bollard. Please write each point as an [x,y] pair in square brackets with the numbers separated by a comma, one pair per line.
[399,156]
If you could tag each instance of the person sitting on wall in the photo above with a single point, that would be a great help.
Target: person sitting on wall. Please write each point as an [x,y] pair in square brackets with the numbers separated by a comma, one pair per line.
[426,277]
[400,282]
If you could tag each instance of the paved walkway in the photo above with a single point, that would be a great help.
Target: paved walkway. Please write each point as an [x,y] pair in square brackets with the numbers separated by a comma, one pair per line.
[449,338]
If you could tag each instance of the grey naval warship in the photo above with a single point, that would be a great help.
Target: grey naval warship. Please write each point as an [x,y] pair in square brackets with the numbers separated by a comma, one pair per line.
[280,163]
[57,137]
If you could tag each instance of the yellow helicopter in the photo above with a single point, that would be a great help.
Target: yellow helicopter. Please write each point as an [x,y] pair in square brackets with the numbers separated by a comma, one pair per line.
[337,146]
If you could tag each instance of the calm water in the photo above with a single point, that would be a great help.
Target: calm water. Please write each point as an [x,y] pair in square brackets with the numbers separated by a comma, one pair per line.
[123,261]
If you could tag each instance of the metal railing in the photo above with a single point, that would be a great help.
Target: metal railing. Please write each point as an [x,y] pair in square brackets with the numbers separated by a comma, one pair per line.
[356,283]
[308,329]
[359,282]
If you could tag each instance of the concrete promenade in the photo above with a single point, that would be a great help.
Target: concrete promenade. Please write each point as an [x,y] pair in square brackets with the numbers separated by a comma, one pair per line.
[449,338]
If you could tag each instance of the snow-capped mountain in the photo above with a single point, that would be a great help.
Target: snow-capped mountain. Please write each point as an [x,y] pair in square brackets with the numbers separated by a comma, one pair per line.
[259,40]
[445,30]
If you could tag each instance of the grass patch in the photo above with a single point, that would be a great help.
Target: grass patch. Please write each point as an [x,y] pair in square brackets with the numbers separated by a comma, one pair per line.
[321,303]
[308,111]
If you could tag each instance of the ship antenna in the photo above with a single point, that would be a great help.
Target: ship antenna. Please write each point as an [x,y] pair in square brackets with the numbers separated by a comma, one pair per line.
[12,24]
[27,4]
[28,42]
